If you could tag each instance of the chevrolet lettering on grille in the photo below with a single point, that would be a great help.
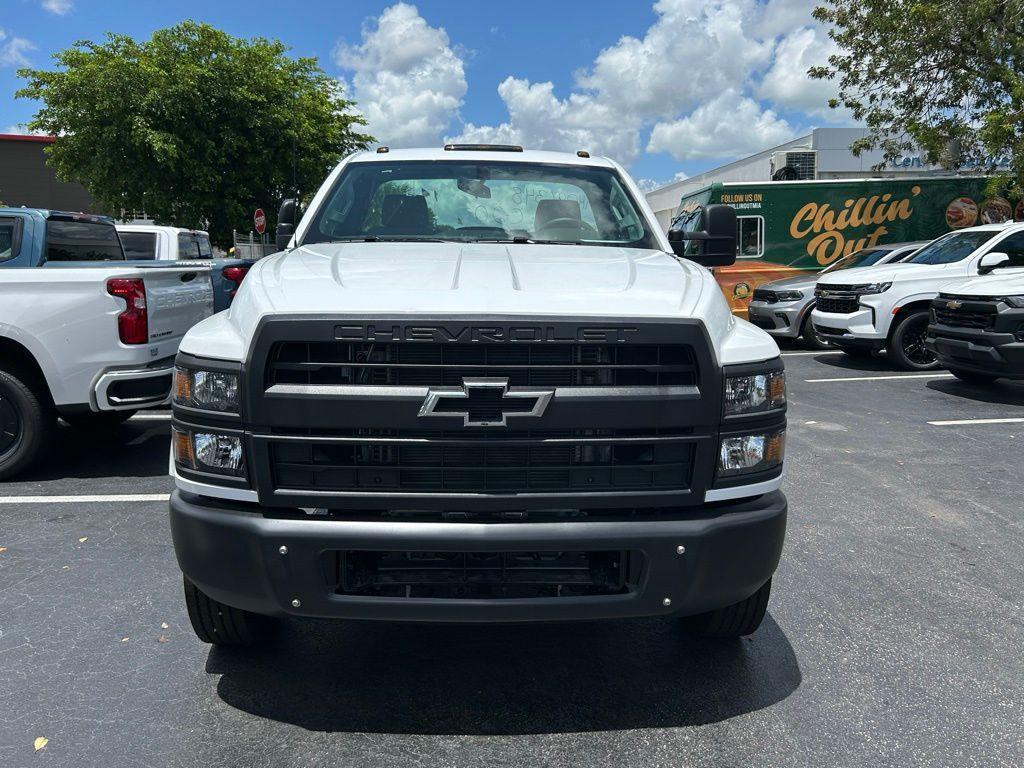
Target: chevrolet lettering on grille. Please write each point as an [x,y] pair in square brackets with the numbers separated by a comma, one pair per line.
[485,402]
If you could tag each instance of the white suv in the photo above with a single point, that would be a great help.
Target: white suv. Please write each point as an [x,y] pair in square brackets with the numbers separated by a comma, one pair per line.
[874,308]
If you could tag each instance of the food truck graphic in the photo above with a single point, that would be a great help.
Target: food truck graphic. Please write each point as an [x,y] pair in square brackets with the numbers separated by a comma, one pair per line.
[789,227]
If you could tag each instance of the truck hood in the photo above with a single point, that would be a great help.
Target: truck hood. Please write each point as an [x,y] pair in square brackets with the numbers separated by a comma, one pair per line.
[478,278]
[884,273]
[1006,284]
[795,283]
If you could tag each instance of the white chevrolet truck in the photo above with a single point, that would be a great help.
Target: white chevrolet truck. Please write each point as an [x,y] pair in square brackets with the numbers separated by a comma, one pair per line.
[479,384]
[868,309]
[84,334]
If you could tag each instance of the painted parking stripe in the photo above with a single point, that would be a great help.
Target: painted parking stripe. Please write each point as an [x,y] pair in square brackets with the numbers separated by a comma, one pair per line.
[151,417]
[807,354]
[884,378]
[128,497]
[975,421]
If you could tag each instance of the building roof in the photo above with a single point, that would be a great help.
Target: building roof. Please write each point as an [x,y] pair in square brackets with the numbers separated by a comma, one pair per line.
[27,137]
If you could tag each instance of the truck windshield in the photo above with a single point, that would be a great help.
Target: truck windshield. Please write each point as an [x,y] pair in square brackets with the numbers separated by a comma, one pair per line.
[480,202]
[78,240]
[952,248]
[865,258]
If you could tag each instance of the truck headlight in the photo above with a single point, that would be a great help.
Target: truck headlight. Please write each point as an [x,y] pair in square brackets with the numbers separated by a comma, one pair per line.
[203,451]
[206,390]
[755,393]
[1014,301]
[864,290]
[747,454]
[788,295]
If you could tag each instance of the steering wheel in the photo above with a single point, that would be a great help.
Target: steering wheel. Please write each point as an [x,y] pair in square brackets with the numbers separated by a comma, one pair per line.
[562,222]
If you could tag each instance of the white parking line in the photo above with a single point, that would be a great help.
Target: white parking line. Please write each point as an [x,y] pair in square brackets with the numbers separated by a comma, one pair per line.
[884,378]
[84,499]
[975,421]
[151,417]
[804,354]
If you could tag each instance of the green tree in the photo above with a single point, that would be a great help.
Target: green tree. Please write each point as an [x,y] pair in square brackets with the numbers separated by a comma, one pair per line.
[194,126]
[943,75]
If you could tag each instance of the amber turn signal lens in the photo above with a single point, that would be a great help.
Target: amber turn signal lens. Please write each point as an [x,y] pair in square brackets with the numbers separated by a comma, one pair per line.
[182,385]
[774,448]
[183,453]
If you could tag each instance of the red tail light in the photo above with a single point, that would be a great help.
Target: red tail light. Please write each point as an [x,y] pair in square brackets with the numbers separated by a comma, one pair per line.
[236,275]
[133,323]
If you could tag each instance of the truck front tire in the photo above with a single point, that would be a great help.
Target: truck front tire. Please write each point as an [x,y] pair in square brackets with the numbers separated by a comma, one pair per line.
[219,624]
[26,423]
[906,343]
[736,620]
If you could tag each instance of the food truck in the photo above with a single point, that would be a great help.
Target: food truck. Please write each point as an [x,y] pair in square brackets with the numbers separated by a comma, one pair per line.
[789,227]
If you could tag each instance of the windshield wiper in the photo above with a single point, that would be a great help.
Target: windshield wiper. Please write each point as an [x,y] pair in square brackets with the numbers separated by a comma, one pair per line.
[528,241]
[387,239]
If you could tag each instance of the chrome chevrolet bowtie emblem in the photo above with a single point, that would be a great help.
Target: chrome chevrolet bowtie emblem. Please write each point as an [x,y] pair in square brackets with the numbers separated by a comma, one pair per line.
[485,402]
[954,304]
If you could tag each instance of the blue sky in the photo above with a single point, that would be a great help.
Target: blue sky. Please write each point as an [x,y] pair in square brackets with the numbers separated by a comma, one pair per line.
[665,86]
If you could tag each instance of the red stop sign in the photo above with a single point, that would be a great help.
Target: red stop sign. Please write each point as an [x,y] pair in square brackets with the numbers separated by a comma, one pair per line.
[260,220]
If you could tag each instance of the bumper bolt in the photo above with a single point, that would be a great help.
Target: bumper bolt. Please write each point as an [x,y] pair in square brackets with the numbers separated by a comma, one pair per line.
[296,603]
[667,602]
[283,550]
[680,550]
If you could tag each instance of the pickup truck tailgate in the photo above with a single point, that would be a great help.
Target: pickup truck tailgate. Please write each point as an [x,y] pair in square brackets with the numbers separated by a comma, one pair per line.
[177,298]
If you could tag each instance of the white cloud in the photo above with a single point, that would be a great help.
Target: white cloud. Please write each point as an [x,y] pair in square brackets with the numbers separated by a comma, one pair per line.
[787,83]
[730,125]
[407,80]
[13,50]
[59,7]
[20,129]
[649,185]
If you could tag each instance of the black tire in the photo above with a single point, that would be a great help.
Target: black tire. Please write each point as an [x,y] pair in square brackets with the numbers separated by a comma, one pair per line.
[970,377]
[26,423]
[220,624]
[811,338]
[906,343]
[101,420]
[737,620]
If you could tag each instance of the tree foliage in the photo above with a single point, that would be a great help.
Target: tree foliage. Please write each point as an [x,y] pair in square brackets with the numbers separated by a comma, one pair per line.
[193,126]
[943,75]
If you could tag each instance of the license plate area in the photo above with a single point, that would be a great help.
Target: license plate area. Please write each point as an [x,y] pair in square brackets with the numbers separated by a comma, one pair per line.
[481,575]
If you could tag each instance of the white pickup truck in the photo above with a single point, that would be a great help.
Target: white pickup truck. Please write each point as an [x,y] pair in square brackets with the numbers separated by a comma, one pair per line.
[869,309]
[480,384]
[84,334]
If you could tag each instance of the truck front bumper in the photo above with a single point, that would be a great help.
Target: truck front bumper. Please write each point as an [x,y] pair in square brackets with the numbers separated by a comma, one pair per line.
[782,319]
[979,351]
[711,558]
[856,329]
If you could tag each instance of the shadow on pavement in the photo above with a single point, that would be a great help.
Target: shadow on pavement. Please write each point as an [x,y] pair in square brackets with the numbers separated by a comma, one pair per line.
[876,362]
[134,449]
[1001,392]
[504,679]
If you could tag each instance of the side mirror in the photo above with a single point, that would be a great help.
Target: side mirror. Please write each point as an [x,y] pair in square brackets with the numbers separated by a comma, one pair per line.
[285,223]
[991,261]
[716,237]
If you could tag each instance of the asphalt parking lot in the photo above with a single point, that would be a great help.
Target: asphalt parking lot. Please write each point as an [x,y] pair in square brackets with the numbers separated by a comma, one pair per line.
[894,632]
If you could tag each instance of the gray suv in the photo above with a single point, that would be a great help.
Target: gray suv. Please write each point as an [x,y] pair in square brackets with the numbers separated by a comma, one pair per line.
[783,307]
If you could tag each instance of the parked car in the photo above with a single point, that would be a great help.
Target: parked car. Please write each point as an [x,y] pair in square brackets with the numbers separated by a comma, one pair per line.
[156,242]
[977,326]
[84,334]
[873,308]
[783,307]
[450,400]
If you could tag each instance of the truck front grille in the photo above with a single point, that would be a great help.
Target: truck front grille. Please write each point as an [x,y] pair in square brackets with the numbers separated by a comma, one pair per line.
[523,364]
[579,461]
[958,318]
[839,305]
[480,575]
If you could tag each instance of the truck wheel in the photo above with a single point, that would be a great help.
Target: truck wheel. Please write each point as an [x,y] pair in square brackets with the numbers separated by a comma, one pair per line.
[26,424]
[101,420]
[736,620]
[220,624]
[811,338]
[906,343]
[970,377]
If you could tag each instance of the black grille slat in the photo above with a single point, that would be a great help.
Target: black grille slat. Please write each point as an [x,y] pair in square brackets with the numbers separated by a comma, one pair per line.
[839,305]
[524,364]
[523,465]
[959,318]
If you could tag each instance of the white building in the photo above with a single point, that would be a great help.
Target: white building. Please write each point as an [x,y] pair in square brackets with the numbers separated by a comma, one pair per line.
[822,154]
